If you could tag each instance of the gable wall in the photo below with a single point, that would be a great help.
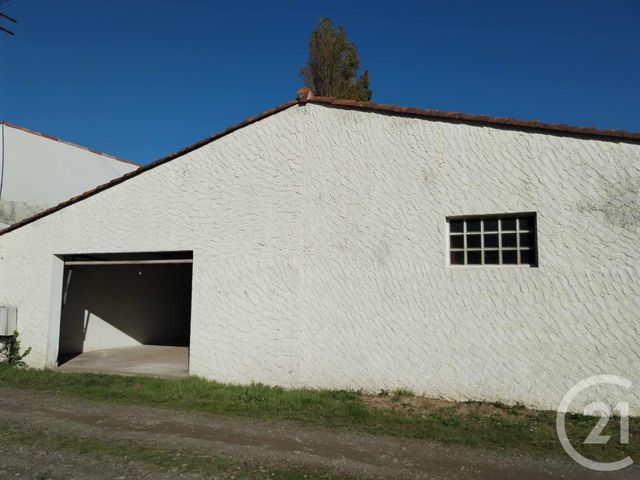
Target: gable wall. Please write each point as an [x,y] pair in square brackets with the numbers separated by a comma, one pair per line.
[320,259]
[232,202]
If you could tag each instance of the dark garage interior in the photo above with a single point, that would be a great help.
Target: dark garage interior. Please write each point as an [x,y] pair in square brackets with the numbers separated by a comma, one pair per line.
[126,313]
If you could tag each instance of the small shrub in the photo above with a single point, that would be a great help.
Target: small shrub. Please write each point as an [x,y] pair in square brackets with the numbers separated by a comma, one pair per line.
[403,392]
[10,352]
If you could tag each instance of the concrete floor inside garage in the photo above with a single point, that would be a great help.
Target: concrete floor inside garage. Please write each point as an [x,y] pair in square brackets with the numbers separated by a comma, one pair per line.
[154,360]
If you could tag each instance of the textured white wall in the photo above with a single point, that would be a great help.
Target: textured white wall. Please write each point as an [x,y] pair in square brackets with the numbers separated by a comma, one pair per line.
[235,203]
[42,172]
[320,259]
[386,308]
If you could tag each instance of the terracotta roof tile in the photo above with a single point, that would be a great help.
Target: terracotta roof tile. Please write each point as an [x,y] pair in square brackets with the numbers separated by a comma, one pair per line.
[555,128]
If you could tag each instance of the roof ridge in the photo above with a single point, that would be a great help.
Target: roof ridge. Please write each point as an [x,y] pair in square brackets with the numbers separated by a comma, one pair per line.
[558,128]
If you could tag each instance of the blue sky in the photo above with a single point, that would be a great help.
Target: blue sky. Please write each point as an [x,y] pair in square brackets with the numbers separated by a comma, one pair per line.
[142,78]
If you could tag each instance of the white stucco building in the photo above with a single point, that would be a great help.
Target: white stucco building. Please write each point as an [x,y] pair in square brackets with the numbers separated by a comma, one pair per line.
[346,244]
[38,171]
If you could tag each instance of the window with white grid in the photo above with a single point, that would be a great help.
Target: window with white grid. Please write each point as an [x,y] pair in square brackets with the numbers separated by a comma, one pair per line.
[493,240]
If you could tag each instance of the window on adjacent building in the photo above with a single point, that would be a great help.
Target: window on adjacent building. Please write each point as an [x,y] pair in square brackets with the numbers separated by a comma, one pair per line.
[493,240]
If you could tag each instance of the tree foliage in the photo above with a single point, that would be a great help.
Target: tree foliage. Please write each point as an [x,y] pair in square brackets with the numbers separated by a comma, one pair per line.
[333,65]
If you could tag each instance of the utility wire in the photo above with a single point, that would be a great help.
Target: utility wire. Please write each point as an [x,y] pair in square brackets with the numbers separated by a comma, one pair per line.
[8,17]
[11,19]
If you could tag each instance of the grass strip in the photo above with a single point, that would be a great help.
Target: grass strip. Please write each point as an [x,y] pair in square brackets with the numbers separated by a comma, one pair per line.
[488,425]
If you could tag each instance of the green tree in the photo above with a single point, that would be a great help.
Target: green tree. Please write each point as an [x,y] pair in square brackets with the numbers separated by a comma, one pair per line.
[333,65]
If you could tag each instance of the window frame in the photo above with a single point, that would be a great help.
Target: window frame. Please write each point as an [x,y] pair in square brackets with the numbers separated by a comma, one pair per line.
[532,231]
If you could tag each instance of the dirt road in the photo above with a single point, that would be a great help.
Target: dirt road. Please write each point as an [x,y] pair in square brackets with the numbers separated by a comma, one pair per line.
[44,436]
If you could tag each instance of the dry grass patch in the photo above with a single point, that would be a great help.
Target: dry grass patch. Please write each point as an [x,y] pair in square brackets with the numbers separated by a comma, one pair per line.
[414,405]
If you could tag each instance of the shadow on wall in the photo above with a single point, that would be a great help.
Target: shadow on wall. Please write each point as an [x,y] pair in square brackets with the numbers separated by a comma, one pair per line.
[111,306]
[12,212]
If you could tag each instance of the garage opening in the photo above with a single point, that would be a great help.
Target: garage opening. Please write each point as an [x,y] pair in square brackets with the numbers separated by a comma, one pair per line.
[127,313]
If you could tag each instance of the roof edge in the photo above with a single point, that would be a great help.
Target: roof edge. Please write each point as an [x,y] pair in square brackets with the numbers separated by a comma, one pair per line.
[71,144]
[504,122]
[307,97]
[150,166]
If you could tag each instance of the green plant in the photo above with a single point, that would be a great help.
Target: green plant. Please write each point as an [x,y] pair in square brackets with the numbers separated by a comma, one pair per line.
[403,392]
[10,352]
[400,393]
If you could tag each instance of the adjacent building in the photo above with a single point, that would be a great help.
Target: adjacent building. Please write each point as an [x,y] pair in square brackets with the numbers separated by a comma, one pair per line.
[38,171]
